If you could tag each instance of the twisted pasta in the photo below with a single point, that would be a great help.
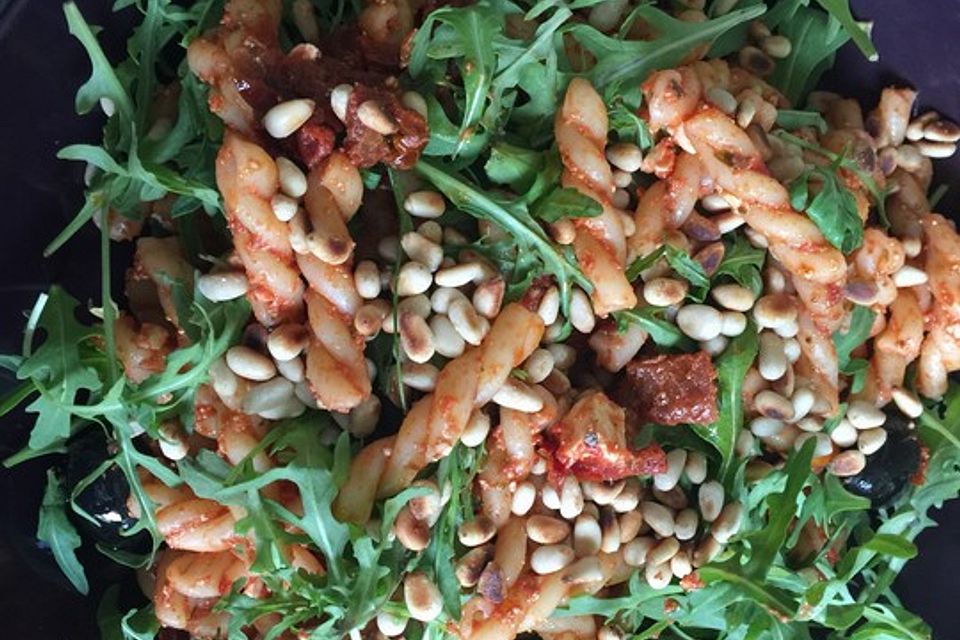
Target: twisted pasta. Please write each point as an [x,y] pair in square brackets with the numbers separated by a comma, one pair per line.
[940,353]
[247,178]
[434,423]
[600,242]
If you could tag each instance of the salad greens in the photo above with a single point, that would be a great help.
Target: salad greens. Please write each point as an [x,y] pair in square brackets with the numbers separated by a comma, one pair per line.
[493,73]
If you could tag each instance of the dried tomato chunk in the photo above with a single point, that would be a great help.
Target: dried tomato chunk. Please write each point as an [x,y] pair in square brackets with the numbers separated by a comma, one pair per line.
[590,442]
[671,389]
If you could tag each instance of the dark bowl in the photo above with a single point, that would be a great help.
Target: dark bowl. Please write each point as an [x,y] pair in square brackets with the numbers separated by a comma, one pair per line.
[40,69]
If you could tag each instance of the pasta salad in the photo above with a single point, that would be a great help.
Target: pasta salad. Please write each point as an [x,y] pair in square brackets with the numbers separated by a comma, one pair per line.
[574,318]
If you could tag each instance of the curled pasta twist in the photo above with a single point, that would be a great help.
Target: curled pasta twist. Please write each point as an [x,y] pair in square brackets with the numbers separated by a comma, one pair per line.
[600,242]
[940,353]
[247,178]
[435,422]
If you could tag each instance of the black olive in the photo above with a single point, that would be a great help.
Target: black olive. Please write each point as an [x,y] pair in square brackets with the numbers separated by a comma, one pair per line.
[105,499]
[889,470]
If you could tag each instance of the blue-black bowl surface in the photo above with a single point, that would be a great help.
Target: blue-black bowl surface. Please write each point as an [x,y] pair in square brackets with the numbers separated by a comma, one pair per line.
[40,69]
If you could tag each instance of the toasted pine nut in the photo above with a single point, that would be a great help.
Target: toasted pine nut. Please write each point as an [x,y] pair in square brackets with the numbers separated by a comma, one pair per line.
[421,597]
[411,532]
[422,377]
[293,182]
[563,232]
[366,277]
[772,361]
[416,337]
[339,99]
[733,297]
[468,323]
[477,531]
[635,552]
[292,370]
[710,499]
[727,524]
[571,498]
[908,403]
[715,203]
[425,204]
[865,415]
[715,346]
[587,535]
[549,307]
[518,396]
[627,498]
[284,207]
[869,441]
[942,131]
[722,99]
[908,276]
[371,316]
[488,297]
[676,459]
[173,441]
[844,434]
[776,46]
[225,382]
[707,551]
[285,118]
[936,149]
[630,524]
[609,531]
[538,365]
[478,426]
[584,571]
[459,275]
[371,114]
[658,517]
[267,395]
[547,529]
[387,623]
[422,250]
[413,278]
[551,558]
[625,156]
[696,467]
[415,102]
[443,297]
[764,427]
[772,405]
[523,498]
[658,576]
[448,342]
[581,312]
[664,292]
[663,551]
[847,463]
[685,524]
[774,310]
[732,323]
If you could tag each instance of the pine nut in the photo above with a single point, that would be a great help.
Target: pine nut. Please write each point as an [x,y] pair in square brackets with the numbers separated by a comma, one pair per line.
[173,441]
[844,434]
[421,597]
[603,493]
[547,529]
[287,341]
[551,558]
[620,199]
[715,203]
[848,463]
[710,499]
[340,99]
[664,292]
[823,446]
[802,400]
[685,524]
[488,297]
[936,149]
[911,247]
[563,355]
[366,277]
[788,329]
[658,517]
[550,497]
[478,426]
[715,346]
[387,623]
[630,524]
[587,535]
[222,285]
[468,323]
[372,316]
[250,364]
[916,127]
[448,342]
[584,571]
[908,276]
[426,507]
[663,551]
[635,552]
[810,424]
[470,566]
[625,156]
[865,415]
[732,323]
[477,531]
[745,443]
[727,524]
[775,310]
[422,250]
[675,498]
[549,307]
[225,382]
[622,179]
[772,361]
[538,365]
[870,440]
[764,427]
[425,204]
[523,498]
[413,278]
[364,417]
[606,16]
[773,405]
[416,337]
[727,221]
[658,576]
[267,395]
[422,377]
[518,396]
[292,370]
[571,498]
[699,321]
[680,565]
[696,467]
[411,532]
[371,114]
[722,99]
[293,182]
[609,531]
[791,349]
[563,231]
[581,312]
[733,297]
[908,403]
[776,46]
[443,297]
[676,459]
[707,551]
[942,131]
[285,118]
[415,102]
[459,275]
[628,498]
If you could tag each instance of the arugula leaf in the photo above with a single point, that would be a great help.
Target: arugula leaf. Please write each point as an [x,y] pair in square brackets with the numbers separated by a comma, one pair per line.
[792,119]
[623,106]
[861,322]
[681,262]
[840,10]
[526,232]
[732,367]
[513,165]
[662,332]
[833,209]
[742,262]
[56,368]
[630,61]
[59,534]
[565,202]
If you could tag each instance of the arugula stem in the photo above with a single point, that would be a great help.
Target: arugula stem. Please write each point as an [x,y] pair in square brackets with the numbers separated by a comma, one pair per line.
[930,421]
[109,313]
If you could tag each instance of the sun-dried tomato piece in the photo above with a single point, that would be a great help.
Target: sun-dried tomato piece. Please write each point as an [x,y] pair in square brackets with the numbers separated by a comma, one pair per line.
[671,389]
